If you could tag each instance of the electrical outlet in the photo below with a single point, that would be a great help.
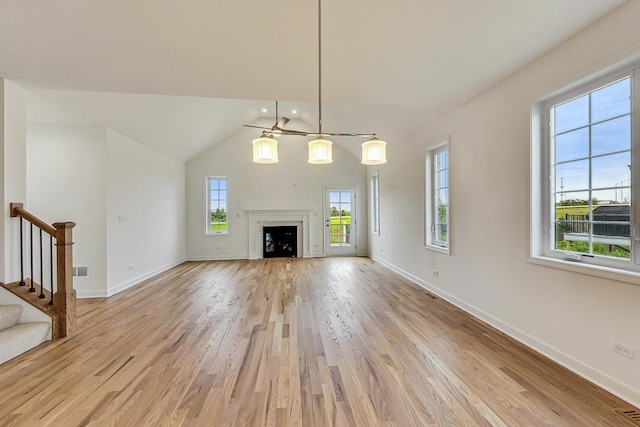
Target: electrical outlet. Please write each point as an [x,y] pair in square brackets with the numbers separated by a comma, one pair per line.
[435,273]
[622,349]
[131,267]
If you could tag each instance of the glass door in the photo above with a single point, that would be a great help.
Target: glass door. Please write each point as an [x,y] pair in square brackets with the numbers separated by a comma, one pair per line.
[340,221]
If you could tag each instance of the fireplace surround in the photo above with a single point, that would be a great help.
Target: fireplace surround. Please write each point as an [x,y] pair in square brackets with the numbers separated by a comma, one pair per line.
[258,219]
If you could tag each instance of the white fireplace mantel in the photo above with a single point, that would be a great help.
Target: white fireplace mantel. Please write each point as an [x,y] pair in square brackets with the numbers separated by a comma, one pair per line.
[259,218]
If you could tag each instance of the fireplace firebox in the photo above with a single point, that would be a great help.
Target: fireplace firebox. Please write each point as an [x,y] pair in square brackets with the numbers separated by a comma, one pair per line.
[280,241]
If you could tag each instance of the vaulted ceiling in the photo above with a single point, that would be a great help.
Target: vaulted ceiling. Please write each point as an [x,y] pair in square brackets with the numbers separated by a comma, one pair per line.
[181,76]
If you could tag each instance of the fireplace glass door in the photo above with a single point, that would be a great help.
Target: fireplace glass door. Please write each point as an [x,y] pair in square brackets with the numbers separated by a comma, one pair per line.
[280,242]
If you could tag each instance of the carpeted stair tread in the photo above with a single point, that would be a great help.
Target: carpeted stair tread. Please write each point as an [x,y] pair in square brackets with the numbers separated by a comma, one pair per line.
[22,337]
[9,315]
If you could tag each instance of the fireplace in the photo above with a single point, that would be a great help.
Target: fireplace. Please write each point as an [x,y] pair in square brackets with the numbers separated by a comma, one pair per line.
[258,219]
[280,241]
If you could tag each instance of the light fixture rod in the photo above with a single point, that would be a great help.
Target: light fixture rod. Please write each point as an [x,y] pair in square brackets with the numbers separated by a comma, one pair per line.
[320,67]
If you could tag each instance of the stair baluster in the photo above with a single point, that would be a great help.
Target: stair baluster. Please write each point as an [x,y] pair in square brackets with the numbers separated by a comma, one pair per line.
[42,295]
[31,289]
[50,266]
[22,283]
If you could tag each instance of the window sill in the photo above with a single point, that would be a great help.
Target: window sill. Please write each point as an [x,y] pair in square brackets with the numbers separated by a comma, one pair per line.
[441,249]
[588,269]
[216,234]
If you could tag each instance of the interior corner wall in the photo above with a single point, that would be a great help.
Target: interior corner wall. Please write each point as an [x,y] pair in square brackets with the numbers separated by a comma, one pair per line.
[568,316]
[14,174]
[145,212]
[292,183]
[66,181]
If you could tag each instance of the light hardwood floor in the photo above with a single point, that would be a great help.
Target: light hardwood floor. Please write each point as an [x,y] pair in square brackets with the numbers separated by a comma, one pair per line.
[290,342]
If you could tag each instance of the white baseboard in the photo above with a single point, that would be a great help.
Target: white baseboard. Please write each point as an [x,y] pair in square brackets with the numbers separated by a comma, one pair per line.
[217,258]
[237,257]
[135,281]
[624,391]
[91,294]
[126,285]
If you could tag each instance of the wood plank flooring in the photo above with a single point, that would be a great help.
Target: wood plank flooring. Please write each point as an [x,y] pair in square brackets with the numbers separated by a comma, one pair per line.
[290,342]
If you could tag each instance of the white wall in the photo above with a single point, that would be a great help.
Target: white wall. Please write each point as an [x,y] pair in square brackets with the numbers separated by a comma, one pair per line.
[67,181]
[148,188]
[570,317]
[292,183]
[14,171]
[92,176]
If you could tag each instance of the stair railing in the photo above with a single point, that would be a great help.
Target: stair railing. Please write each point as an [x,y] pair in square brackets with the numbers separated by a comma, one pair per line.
[63,300]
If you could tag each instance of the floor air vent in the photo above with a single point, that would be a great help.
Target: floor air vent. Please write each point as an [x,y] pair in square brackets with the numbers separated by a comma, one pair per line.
[632,415]
[80,271]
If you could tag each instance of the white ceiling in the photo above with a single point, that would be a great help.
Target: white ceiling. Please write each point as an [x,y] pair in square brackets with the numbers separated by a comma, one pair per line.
[181,76]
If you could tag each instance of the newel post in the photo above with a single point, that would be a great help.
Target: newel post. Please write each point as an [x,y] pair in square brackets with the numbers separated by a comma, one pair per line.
[64,300]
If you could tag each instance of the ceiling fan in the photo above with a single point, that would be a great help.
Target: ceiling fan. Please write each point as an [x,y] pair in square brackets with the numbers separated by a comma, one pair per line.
[278,129]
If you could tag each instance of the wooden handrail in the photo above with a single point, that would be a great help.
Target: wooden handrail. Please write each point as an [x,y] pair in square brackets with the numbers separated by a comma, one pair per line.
[18,210]
[64,299]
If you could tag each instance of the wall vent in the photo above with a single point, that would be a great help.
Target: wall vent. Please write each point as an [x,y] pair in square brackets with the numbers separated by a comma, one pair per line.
[80,271]
[631,414]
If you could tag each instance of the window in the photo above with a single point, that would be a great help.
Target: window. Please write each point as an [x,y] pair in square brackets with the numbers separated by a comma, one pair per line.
[216,216]
[582,165]
[375,204]
[437,198]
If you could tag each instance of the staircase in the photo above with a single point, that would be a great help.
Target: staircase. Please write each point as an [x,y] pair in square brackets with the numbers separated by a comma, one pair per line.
[15,337]
[46,258]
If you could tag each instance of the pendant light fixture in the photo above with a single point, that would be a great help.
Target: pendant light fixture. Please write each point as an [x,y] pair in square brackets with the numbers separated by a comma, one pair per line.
[320,151]
[374,151]
[265,148]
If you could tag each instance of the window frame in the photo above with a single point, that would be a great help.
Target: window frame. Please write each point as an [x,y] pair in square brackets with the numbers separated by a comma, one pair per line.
[542,185]
[207,217]
[374,209]
[431,216]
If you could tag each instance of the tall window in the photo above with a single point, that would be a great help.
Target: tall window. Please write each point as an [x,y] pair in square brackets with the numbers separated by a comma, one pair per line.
[583,173]
[375,204]
[437,198]
[591,142]
[217,205]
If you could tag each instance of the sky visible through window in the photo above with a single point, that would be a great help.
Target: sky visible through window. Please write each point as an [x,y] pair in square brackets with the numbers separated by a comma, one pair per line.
[593,145]
[218,198]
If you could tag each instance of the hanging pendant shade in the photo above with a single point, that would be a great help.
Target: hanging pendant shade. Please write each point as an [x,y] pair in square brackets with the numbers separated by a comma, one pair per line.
[320,151]
[374,152]
[265,149]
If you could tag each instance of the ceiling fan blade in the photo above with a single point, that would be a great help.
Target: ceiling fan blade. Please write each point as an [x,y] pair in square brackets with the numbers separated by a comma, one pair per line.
[257,127]
[282,122]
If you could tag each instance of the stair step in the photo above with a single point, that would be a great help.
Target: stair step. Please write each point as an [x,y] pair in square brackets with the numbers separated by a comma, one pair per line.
[9,315]
[22,337]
